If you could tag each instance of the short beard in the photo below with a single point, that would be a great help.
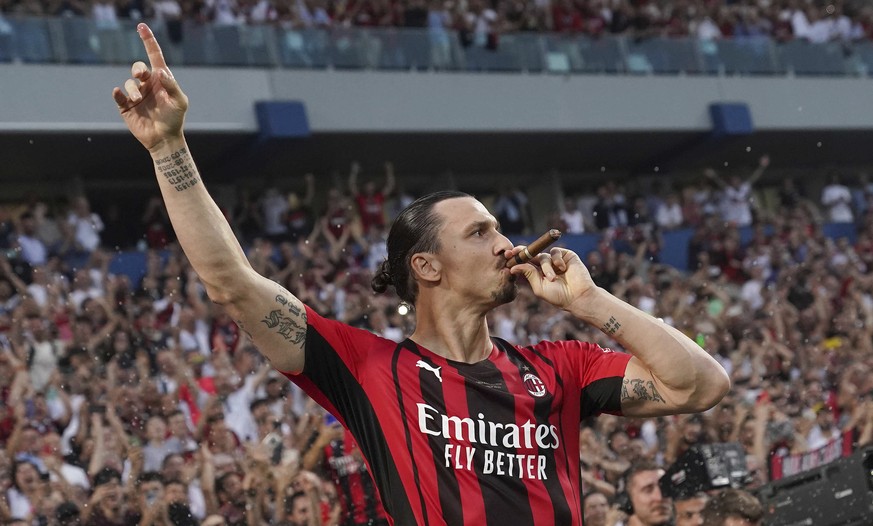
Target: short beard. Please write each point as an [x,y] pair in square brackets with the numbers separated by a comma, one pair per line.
[507,293]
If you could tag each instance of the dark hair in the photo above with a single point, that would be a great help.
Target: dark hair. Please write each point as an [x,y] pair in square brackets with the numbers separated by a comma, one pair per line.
[732,503]
[222,480]
[637,468]
[105,476]
[289,502]
[149,476]
[14,470]
[415,230]
[258,402]
[180,514]
[592,493]
[67,513]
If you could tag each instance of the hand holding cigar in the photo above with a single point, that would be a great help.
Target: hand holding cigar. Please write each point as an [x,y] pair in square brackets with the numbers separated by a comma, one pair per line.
[527,253]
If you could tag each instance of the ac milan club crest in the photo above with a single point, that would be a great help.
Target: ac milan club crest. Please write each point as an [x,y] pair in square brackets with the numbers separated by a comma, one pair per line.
[534,385]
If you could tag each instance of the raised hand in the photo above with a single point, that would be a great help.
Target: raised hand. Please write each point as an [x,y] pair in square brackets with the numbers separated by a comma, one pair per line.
[154,106]
[558,277]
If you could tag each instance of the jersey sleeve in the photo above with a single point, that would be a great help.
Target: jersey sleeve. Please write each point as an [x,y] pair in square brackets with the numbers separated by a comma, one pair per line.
[335,357]
[599,372]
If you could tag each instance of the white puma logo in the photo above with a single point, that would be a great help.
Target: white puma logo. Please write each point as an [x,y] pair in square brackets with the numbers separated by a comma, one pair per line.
[429,367]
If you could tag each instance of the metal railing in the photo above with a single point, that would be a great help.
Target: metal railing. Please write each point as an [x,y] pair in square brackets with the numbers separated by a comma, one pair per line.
[71,40]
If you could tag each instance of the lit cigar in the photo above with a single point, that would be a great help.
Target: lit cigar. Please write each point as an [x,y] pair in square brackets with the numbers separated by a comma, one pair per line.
[528,252]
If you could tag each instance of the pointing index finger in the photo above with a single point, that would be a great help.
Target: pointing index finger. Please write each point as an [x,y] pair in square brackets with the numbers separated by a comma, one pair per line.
[153,50]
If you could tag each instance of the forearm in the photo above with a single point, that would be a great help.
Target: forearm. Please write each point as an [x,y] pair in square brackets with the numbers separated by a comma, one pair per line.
[14,439]
[690,377]
[311,460]
[98,456]
[202,230]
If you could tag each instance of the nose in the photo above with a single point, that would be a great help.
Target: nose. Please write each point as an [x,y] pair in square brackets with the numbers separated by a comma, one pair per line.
[503,245]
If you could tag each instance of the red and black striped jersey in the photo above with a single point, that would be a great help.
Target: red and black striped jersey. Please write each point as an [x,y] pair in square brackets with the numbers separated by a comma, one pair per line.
[344,465]
[450,443]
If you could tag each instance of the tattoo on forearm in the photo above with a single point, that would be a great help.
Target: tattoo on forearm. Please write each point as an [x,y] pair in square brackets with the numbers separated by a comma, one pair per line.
[179,169]
[292,328]
[612,326]
[640,390]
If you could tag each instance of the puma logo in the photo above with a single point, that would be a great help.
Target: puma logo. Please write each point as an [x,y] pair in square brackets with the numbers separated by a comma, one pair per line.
[435,370]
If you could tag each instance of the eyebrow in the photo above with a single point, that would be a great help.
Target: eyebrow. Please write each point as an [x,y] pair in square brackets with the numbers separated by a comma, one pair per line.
[484,223]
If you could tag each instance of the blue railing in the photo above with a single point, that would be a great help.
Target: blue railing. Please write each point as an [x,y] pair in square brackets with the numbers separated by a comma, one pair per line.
[71,40]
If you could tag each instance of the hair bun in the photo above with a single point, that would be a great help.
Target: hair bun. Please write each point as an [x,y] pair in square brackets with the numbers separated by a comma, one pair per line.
[382,280]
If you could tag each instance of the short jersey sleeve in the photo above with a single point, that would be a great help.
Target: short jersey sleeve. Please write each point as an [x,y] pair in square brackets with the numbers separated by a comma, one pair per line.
[335,358]
[598,371]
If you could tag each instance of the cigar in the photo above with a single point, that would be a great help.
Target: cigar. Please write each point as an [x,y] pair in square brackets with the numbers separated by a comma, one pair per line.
[528,252]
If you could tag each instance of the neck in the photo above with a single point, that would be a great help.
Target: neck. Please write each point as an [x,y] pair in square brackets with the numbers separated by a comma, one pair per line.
[459,334]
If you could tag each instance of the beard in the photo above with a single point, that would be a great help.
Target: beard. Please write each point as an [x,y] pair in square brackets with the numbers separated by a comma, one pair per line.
[506,293]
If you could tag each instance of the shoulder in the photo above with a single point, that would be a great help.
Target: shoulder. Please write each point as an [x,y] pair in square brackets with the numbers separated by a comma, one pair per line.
[331,329]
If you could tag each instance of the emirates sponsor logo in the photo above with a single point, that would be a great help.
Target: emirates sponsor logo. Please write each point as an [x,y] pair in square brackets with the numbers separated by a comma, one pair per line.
[492,439]
[534,385]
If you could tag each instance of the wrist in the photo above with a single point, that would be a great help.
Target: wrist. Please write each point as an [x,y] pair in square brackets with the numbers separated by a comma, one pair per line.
[585,307]
[167,146]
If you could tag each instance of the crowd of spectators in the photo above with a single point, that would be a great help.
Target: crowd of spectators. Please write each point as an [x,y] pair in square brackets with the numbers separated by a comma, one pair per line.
[141,402]
[481,22]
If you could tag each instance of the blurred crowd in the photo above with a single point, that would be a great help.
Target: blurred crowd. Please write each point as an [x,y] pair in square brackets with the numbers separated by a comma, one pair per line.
[481,22]
[138,401]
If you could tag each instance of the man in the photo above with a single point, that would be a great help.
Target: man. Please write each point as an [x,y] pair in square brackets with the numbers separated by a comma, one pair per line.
[298,510]
[107,505]
[231,498]
[737,199]
[595,507]
[459,428]
[649,506]
[733,507]
[689,509]
[334,451]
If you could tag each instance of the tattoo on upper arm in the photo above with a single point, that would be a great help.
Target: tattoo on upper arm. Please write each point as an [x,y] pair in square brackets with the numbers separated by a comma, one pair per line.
[634,389]
[242,327]
[292,308]
[179,169]
[655,396]
[612,326]
[292,328]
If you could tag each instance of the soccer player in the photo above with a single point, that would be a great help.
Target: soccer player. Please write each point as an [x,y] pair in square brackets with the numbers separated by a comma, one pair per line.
[457,427]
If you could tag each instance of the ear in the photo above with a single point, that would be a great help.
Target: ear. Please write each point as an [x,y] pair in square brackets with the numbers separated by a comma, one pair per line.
[425,266]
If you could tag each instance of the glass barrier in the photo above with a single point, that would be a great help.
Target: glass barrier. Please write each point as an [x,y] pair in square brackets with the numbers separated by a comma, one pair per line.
[83,41]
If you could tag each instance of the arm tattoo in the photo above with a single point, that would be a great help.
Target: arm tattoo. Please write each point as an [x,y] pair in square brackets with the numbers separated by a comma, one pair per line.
[242,327]
[655,396]
[179,169]
[612,326]
[640,391]
[288,326]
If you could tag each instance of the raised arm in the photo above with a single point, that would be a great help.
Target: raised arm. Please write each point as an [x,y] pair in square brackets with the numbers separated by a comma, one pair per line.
[154,109]
[669,373]
[713,176]
[353,177]
[390,181]
[763,163]
[309,179]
